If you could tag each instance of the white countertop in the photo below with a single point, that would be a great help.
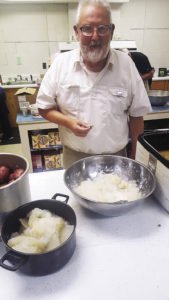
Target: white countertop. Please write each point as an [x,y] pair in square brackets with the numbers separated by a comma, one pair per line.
[158,112]
[156,77]
[29,119]
[18,86]
[122,258]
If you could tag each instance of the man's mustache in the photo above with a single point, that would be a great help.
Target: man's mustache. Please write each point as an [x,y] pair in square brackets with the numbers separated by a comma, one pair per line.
[95,43]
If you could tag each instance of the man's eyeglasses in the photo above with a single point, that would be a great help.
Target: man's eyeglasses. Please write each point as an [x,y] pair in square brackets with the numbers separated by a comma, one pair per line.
[88,30]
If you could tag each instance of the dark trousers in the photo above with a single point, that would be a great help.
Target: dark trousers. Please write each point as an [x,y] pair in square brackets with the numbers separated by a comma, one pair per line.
[4,121]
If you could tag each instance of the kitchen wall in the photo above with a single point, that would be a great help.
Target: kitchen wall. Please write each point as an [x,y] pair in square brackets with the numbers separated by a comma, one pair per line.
[29,32]
[147,22]
[28,35]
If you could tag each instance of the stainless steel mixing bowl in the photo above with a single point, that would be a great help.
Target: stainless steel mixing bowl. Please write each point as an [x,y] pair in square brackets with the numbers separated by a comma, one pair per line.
[17,192]
[126,168]
[158,97]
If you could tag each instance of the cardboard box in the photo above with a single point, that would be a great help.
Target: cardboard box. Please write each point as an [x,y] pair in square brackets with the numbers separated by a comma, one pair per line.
[54,138]
[58,161]
[50,162]
[43,141]
[35,141]
[25,91]
[37,161]
[25,94]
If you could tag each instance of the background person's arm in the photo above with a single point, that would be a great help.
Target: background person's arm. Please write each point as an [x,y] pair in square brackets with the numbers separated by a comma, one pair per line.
[78,127]
[136,127]
[148,75]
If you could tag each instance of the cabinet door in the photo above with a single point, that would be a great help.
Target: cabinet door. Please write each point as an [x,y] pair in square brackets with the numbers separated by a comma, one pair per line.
[167,85]
[158,85]
[11,104]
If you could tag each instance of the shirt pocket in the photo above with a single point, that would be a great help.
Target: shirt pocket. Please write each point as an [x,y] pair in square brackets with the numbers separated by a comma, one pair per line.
[68,98]
[118,100]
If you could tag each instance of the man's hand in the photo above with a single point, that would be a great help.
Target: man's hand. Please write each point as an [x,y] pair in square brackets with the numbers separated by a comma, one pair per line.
[79,128]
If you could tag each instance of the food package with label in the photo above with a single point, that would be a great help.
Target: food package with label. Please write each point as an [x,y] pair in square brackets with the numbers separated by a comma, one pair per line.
[54,138]
[50,162]
[35,141]
[37,161]
[43,141]
[58,161]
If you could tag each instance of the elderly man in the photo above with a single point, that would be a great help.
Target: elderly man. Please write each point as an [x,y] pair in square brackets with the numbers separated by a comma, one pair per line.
[93,93]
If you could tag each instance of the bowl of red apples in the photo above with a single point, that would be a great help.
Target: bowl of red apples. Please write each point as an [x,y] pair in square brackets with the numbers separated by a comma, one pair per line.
[14,181]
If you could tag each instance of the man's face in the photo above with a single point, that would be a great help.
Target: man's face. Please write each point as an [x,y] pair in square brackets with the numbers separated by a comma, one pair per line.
[94,47]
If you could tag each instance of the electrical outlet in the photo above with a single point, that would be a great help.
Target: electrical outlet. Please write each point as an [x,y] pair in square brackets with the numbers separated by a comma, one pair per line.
[44,66]
[18,61]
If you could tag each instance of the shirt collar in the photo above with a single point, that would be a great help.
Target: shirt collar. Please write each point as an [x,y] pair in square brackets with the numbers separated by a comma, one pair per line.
[76,59]
[110,61]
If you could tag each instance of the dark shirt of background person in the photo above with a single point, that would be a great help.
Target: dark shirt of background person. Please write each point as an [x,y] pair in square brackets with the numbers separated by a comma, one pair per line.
[143,66]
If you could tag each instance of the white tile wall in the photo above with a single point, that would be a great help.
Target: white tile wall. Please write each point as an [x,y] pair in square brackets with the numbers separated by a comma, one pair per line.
[29,32]
[147,22]
[156,44]
[22,23]
[57,22]
[157,14]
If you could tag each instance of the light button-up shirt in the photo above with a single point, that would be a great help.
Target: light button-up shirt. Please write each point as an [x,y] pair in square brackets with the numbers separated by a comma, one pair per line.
[104,101]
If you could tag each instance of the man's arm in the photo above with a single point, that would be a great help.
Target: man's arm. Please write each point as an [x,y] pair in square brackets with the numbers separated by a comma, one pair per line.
[76,126]
[148,75]
[136,127]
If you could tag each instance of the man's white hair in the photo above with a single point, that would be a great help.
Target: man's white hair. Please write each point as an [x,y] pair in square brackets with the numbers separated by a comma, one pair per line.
[102,3]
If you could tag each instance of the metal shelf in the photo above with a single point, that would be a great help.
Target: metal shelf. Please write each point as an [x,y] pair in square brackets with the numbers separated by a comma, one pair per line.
[46,149]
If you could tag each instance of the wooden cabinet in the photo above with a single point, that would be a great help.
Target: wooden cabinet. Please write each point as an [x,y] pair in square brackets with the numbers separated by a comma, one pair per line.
[166,86]
[13,106]
[160,85]
[10,101]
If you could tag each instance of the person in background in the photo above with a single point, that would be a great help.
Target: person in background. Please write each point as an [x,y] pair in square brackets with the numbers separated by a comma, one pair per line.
[94,93]
[144,67]
[4,121]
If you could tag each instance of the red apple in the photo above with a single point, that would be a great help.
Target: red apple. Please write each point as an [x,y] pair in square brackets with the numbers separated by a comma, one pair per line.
[17,173]
[4,173]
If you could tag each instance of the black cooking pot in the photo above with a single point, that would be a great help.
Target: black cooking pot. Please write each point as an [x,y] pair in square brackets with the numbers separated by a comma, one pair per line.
[44,263]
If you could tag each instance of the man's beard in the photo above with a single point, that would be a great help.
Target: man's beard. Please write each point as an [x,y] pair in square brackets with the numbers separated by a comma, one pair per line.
[96,54]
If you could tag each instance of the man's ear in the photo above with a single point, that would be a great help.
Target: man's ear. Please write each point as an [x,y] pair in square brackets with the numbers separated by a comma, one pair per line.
[76,32]
[112,30]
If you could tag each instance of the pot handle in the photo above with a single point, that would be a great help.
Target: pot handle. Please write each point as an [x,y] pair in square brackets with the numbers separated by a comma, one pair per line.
[16,261]
[61,195]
